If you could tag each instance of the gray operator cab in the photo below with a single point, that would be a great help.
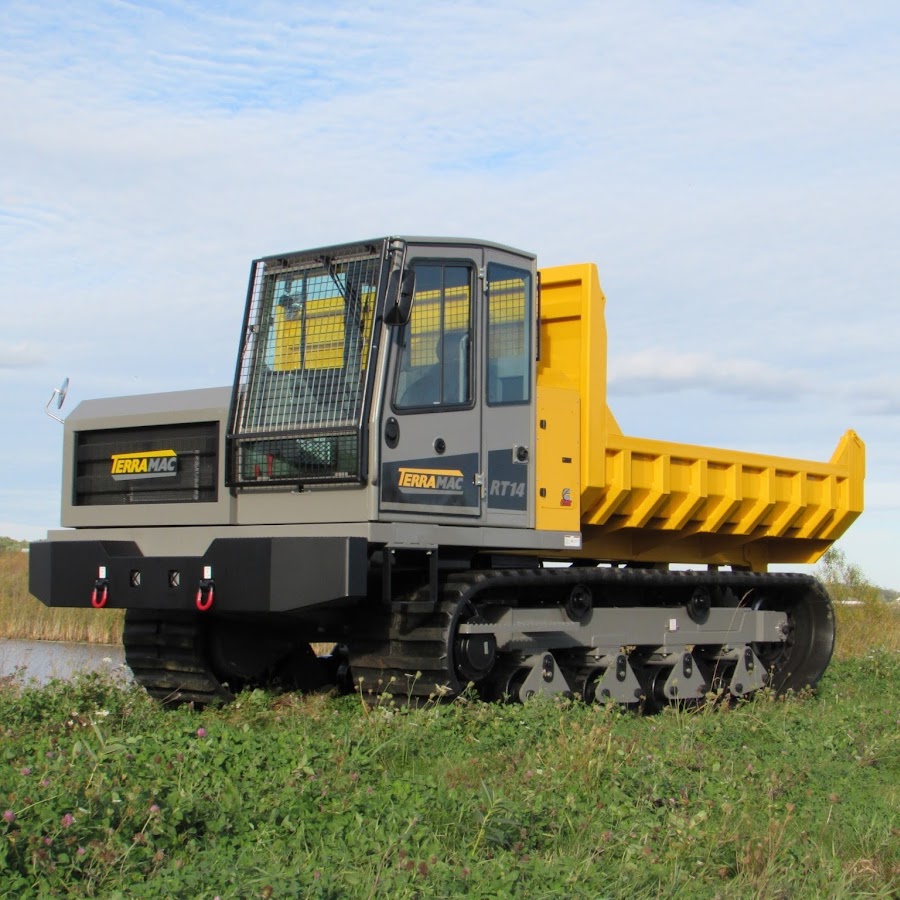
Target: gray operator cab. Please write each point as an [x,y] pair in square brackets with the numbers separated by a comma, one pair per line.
[443,424]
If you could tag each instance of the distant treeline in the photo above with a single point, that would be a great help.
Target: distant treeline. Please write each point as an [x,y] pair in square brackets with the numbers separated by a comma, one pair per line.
[7,543]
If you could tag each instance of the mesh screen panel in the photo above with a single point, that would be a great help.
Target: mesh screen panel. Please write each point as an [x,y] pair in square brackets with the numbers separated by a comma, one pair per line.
[156,464]
[507,319]
[303,368]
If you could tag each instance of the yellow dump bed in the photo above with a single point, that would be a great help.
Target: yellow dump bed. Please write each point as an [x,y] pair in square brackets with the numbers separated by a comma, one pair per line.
[655,501]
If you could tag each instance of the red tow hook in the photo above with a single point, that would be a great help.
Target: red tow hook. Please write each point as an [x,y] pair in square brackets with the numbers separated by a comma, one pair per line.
[207,588]
[100,593]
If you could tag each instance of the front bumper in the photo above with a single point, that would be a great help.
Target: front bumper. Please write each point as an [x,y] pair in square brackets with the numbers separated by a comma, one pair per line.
[258,575]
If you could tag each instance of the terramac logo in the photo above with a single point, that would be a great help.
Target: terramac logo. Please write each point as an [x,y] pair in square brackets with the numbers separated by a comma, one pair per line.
[150,464]
[432,481]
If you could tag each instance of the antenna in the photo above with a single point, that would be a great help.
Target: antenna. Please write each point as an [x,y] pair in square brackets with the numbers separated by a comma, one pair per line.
[59,394]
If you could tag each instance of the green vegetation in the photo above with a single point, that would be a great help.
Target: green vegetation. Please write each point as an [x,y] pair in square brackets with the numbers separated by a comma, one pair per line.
[865,620]
[12,544]
[102,793]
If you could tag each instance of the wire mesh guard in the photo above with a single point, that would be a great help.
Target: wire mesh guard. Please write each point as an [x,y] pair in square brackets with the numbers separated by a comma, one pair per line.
[303,369]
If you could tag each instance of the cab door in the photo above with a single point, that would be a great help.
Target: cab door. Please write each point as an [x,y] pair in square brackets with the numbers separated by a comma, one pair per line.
[508,410]
[431,449]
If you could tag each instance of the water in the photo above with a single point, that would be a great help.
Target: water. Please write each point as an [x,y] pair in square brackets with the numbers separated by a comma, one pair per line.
[43,660]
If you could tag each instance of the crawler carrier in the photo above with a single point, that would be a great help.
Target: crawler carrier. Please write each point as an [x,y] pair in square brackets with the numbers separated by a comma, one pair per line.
[417,462]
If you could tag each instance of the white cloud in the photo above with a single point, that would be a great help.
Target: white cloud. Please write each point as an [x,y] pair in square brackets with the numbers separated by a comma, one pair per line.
[730,167]
[877,397]
[21,355]
[883,497]
[661,370]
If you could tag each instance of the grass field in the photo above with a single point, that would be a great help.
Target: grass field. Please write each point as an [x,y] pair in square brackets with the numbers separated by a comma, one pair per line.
[104,794]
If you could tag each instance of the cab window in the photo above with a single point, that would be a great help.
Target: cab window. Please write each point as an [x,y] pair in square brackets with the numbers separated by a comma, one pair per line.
[509,318]
[435,368]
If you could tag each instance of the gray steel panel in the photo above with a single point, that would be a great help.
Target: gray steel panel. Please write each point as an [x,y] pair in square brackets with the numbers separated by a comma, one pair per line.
[426,241]
[305,572]
[329,503]
[413,532]
[670,629]
[194,540]
[172,407]
[419,240]
[199,405]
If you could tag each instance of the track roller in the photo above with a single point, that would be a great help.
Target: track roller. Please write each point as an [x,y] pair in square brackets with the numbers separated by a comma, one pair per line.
[609,679]
[678,679]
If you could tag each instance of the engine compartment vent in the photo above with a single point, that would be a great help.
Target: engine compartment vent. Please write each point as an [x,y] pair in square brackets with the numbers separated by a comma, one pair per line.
[154,464]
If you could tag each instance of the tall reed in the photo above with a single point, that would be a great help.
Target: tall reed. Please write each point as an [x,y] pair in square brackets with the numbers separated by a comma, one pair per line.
[865,625]
[865,621]
[24,617]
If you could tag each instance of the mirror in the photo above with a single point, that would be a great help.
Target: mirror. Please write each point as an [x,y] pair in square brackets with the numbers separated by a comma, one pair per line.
[59,394]
[403,294]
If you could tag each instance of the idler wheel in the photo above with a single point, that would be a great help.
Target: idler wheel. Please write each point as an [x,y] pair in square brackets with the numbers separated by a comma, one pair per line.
[699,604]
[580,604]
[799,660]
[474,655]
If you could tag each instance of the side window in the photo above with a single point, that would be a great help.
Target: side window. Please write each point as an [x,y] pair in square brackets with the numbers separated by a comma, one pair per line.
[508,335]
[436,345]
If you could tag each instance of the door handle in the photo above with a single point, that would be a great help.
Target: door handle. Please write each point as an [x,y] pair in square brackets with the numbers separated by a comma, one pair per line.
[392,432]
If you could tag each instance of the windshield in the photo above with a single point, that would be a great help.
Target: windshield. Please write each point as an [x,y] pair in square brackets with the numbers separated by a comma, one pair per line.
[303,368]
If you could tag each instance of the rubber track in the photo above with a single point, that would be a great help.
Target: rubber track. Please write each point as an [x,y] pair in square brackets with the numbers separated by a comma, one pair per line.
[406,654]
[164,651]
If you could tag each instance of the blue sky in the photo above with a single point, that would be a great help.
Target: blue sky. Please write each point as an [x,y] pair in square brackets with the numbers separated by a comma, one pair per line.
[732,168]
